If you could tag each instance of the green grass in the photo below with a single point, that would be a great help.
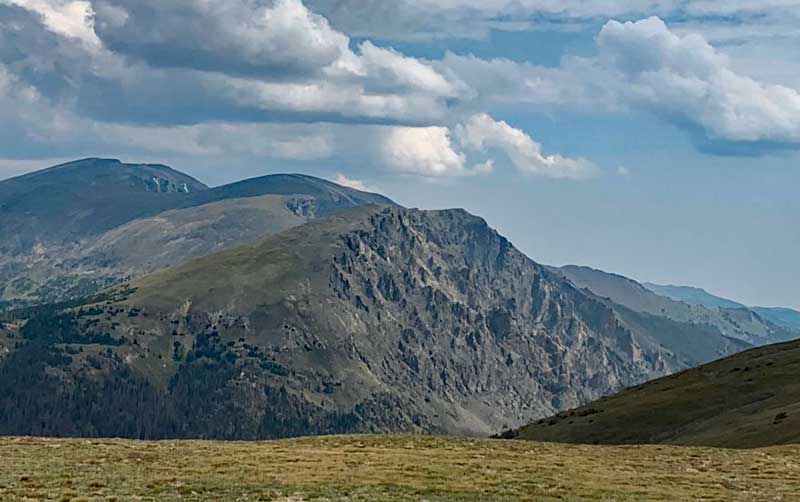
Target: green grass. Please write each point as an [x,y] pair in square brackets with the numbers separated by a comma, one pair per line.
[750,399]
[374,468]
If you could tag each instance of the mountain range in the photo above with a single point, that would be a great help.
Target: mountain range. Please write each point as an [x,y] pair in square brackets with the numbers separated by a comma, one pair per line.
[82,226]
[737,321]
[142,303]
[788,318]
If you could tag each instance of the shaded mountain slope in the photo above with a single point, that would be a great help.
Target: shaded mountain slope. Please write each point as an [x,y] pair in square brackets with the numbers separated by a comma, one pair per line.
[688,343]
[147,244]
[739,322]
[751,399]
[373,319]
[85,225]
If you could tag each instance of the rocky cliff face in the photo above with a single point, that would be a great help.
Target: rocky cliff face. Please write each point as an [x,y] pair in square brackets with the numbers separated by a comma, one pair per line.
[376,319]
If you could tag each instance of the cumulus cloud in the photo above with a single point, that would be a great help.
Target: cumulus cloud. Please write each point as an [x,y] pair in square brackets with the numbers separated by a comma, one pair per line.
[644,65]
[463,150]
[422,150]
[426,151]
[343,180]
[388,70]
[72,18]
[175,62]
[576,81]
[280,40]
[28,122]
[481,132]
[178,76]
[276,55]
[687,80]
[331,101]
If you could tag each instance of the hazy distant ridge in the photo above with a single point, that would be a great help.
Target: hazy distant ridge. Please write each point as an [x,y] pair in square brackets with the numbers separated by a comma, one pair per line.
[786,317]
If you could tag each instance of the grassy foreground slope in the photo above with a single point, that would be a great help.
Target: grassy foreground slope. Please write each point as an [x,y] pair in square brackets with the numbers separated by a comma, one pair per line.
[375,468]
[750,399]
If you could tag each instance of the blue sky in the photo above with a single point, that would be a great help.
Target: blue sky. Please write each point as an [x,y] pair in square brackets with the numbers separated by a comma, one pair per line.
[654,139]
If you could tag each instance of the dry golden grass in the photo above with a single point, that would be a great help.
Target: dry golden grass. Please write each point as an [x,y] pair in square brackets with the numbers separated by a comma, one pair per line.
[370,468]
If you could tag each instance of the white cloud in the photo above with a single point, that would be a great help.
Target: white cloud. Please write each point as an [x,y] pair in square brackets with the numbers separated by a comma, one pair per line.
[623,171]
[33,123]
[686,78]
[500,80]
[27,119]
[481,132]
[279,55]
[69,18]
[389,70]
[280,39]
[278,61]
[422,150]
[343,98]
[644,65]
[173,62]
[462,151]
[343,180]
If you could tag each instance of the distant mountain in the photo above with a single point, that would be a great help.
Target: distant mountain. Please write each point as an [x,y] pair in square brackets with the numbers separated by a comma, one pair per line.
[781,316]
[67,202]
[751,399]
[693,296]
[79,227]
[328,197]
[784,317]
[375,319]
[737,322]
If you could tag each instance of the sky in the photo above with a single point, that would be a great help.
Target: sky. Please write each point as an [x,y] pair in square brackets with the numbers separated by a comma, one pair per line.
[658,139]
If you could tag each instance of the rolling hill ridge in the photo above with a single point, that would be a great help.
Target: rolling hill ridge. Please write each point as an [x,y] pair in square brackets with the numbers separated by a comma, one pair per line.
[750,399]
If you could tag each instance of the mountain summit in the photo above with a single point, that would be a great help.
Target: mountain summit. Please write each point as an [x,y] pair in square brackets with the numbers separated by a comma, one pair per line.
[65,203]
[76,228]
